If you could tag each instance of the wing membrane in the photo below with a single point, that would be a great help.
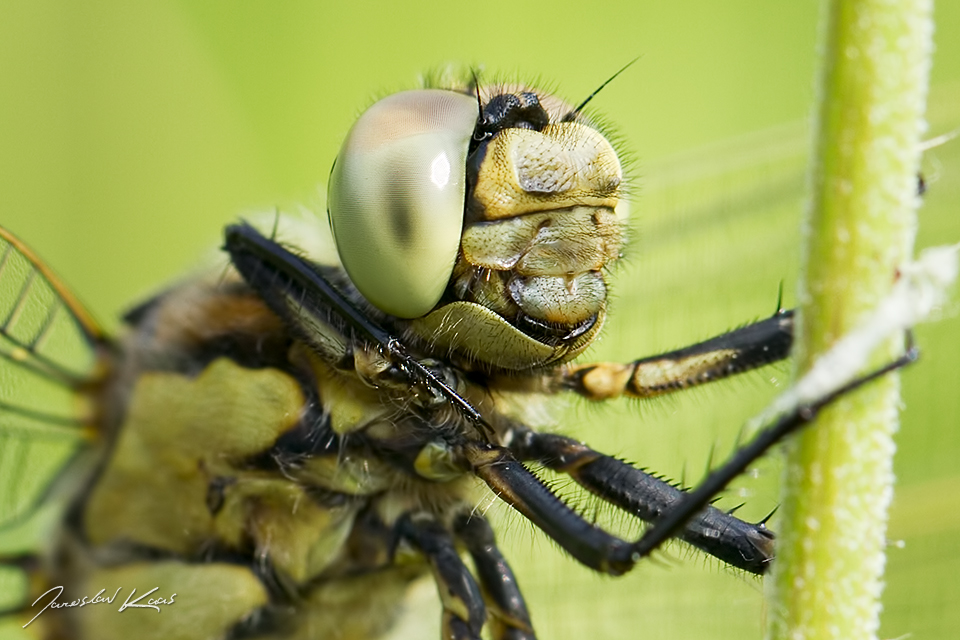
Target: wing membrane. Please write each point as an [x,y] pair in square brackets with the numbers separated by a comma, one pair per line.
[50,353]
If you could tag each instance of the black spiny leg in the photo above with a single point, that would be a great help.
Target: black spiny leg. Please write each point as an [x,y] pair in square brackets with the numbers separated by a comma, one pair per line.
[591,545]
[692,502]
[297,291]
[463,610]
[737,351]
[524,491]
[509,619]
[741,544]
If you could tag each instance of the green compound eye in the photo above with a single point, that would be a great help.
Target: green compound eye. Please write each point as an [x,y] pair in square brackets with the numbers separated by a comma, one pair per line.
[396,197]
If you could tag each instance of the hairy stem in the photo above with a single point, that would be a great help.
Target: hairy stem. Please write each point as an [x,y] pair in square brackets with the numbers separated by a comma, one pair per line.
[859,229]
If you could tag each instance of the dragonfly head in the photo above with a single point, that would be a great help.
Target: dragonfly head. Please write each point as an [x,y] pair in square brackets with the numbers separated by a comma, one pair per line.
[486,221]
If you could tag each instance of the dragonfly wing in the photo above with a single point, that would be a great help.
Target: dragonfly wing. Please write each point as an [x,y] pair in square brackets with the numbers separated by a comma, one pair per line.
[51,354]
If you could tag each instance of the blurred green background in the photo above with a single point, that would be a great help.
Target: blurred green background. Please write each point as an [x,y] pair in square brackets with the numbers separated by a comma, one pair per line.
[130,133]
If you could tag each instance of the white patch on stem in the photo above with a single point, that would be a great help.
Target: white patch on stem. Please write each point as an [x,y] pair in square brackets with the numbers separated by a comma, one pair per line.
[920,290]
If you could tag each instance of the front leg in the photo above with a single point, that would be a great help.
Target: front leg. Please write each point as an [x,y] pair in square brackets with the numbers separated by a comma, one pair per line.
[737,351]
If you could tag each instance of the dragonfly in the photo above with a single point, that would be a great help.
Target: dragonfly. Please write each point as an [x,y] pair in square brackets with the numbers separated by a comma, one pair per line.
[307,439]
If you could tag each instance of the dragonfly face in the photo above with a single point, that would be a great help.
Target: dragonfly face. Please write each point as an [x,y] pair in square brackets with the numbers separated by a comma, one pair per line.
[523,259]
[284,449]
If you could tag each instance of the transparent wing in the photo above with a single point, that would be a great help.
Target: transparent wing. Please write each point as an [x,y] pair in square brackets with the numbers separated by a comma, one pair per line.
[49,356]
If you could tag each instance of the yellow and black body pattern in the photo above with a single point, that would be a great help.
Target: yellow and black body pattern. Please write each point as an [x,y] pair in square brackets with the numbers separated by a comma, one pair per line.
[243,476]
[282,455]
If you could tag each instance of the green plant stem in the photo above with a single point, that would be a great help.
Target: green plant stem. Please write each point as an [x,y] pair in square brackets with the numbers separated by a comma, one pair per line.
[859,229]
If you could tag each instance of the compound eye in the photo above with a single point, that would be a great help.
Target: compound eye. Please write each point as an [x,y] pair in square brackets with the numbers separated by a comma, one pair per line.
[396,197]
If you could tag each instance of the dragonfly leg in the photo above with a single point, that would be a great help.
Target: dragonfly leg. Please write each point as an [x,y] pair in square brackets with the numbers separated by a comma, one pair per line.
[673,511]
[508,612]
[677,517]
[464,612]
[524,491]
[737,351]
[741,544]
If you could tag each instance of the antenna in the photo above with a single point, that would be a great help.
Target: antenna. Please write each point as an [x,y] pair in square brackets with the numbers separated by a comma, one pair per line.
[476,90]
[573,114]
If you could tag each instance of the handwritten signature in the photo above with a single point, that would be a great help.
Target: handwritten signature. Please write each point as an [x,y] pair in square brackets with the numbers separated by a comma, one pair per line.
[152,603]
